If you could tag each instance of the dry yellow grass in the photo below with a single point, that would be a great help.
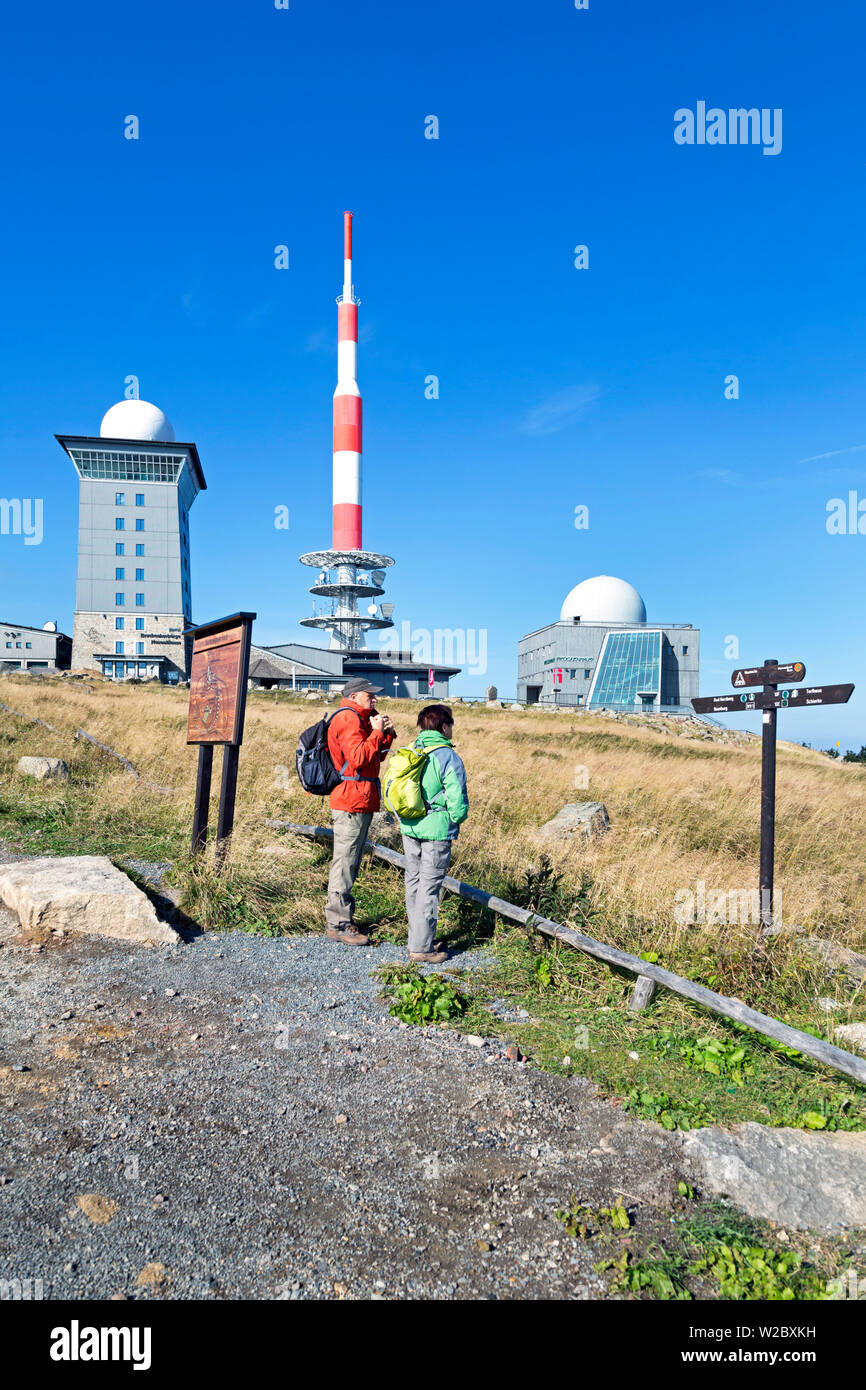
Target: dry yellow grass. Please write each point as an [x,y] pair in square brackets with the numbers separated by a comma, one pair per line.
[682,809]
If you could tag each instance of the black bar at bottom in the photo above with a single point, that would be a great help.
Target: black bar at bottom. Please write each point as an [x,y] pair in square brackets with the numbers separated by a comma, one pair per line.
[228,789]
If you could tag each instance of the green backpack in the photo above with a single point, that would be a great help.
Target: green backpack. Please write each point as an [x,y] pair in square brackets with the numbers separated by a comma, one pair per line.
[402,791]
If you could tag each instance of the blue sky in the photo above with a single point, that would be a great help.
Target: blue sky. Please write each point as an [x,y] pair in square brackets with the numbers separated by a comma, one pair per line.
[558,387]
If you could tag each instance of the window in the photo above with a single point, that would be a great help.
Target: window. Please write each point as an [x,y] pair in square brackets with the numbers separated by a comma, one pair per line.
[119,548]
[8,644]
[139,647]
[18,644]
[586,675]
[139,624]
[139,499]
[119,600]
[628,671]
[139,549]
[118,649]
[685,651]
[139,523]
[139,600]
[139,574]
[118,624]
[118,523]
[28,644]
[119,498]
[120,574]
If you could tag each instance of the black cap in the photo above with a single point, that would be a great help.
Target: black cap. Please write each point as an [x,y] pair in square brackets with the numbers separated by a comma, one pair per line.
[356,686]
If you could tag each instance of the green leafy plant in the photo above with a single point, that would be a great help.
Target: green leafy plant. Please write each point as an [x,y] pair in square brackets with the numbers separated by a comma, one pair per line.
[427,999]
[672,1114]
[579,1220]
[662,1275]
[707,1054]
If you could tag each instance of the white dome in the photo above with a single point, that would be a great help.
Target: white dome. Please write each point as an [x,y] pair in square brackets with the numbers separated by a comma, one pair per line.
[604,600]
[136,420]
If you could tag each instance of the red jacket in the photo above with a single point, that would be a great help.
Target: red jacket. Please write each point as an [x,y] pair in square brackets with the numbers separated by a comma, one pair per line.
[353,740]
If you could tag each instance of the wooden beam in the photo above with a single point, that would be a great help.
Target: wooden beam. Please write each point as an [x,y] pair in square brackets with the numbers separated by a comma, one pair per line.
[735,1009]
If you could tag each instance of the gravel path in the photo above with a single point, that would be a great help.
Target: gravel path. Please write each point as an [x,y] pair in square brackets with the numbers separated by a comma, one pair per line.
[239,1117]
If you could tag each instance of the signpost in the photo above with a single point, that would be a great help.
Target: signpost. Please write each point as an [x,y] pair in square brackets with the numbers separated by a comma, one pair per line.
[217,704]
[770,699]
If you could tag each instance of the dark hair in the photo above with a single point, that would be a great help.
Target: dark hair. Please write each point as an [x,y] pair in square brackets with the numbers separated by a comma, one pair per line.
[434,716]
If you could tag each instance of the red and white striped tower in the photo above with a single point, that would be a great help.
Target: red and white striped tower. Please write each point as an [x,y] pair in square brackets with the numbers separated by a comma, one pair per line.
[347,411]
[348,573]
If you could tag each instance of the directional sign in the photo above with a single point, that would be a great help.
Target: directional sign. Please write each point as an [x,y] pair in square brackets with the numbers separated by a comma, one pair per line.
[800,696]
[769,675]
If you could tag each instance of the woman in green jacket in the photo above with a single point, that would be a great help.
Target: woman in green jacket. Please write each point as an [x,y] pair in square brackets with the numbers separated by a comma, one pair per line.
[427,843]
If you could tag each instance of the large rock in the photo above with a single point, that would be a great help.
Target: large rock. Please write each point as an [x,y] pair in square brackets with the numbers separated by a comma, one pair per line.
[385,830]
[797,1177]
[586,818]
[852,1035]
[44,769]
[839,959]
[80,894]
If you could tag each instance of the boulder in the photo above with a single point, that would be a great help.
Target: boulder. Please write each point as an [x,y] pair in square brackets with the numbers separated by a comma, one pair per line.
[44,769]
[838,959]
[515,705]
[385,829]
[586,818]
[491,693]
[799,1178]
[83,893]
[852,1035]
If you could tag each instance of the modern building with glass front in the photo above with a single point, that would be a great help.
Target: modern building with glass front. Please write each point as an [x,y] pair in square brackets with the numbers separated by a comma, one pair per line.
[133,596]
[603,654]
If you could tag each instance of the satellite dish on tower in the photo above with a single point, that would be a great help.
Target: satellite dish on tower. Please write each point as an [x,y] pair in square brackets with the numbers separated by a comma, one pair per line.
[387,610]
[372,610]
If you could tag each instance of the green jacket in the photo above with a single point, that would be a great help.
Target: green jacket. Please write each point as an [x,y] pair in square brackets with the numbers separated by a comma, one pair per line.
[443,785]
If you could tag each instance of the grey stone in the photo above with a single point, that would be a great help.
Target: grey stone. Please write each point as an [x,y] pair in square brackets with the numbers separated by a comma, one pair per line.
[852,1035]
[44,769]
[385,829]
[839,959]
[586,818]
[829,1006]
[800,1178]
[491,693]
[83,893]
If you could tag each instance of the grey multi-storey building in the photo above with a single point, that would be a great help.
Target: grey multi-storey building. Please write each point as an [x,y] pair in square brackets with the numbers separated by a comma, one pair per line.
[133,596]
[603,654]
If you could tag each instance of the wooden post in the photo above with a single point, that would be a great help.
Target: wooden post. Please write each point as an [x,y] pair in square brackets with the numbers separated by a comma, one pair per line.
[768,806]
[228,790]
[642,994]
[202,797]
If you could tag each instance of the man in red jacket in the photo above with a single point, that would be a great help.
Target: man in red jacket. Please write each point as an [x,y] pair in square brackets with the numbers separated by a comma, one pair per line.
[358,740]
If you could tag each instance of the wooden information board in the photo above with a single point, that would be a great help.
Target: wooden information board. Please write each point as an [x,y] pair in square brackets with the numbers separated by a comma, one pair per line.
[218,683]
[217,704]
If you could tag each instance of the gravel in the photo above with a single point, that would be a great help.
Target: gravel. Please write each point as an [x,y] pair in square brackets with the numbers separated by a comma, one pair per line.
[239,1117]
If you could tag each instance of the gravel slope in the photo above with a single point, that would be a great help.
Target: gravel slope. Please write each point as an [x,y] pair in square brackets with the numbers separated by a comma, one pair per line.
[238,1117]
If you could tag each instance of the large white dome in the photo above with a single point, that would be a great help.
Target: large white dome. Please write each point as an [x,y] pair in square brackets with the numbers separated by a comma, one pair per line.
[604,600]
[136,420]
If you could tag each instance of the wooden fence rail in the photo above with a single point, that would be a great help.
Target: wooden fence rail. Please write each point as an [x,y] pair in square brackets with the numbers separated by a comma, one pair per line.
[816,1048]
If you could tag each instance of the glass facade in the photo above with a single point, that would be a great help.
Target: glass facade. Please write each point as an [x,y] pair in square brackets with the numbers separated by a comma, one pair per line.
[128,467]
[629,671]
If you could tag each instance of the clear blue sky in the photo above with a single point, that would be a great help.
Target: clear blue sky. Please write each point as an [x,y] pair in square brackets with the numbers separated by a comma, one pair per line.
[558,387]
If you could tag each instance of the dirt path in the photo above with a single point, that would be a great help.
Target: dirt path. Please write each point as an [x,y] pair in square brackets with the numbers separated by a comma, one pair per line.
[239,1118]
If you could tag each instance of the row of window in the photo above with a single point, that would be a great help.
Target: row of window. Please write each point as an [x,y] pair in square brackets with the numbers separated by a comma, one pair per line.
[120,548]
[120,600]
[121,574]
[119,648]
[120,499]
[120,624]
[18,644]
[120,523]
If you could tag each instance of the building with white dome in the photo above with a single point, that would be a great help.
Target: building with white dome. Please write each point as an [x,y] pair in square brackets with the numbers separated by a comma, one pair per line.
[133,596]
[603,654]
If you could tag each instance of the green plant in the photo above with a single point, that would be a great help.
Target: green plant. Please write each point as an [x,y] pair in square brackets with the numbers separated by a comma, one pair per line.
[661,1274]
[427,999]
[672,1114]
[707,1054]
[579,1220]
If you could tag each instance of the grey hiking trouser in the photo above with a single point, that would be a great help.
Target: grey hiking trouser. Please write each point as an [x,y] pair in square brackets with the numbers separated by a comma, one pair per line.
[426,865]
[350,834]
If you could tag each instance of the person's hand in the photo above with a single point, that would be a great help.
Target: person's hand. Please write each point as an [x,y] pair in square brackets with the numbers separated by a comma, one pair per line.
[378,722]
[389,723]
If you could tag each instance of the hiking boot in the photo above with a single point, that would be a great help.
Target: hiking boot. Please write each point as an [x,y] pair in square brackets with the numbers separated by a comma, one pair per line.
[348,935]
[429,957]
